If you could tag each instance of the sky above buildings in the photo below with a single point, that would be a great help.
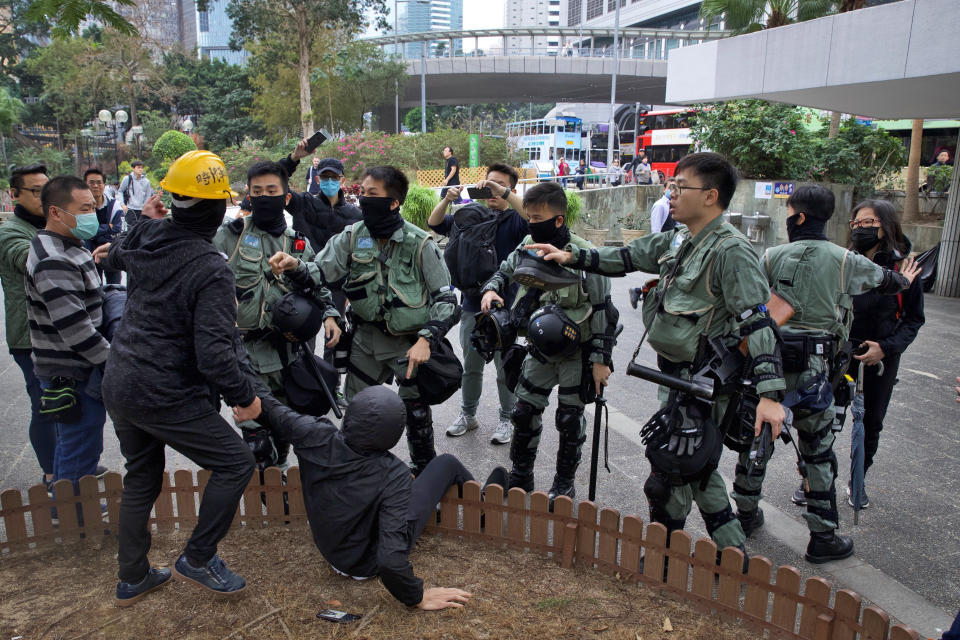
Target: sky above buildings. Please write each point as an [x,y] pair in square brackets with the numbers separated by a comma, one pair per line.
[477,14]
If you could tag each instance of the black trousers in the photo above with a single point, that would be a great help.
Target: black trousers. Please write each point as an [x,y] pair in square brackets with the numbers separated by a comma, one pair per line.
[207,440]
[429,488]
[877,391]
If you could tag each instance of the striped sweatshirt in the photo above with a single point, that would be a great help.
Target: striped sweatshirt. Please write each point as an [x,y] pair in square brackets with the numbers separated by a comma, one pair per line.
[64,307]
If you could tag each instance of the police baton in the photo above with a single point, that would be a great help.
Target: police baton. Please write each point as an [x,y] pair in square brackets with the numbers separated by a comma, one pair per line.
[312,366]
[600,407]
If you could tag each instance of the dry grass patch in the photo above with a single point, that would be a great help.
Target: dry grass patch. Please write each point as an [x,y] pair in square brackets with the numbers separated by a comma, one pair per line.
[67,592]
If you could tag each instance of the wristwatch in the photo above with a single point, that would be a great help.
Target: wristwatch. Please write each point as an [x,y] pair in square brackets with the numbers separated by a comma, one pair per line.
[506,194]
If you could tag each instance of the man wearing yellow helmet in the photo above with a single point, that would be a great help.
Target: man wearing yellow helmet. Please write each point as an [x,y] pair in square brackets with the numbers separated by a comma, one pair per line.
[175,354]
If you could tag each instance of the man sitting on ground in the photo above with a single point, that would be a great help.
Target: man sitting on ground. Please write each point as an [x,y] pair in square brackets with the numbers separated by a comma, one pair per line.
[365,509]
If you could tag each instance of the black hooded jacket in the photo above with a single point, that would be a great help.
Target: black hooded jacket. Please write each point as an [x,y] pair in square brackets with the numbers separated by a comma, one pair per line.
[875,315]
[174,349]
[314,217]
[356,494]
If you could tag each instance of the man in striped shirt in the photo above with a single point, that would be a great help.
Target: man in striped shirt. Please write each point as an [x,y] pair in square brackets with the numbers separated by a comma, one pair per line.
[64,313]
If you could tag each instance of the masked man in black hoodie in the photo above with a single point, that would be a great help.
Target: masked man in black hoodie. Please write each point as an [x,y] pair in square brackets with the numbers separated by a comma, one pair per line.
[174,354]
[365,510]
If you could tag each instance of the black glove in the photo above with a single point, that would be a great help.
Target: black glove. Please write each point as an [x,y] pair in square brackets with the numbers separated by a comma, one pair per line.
[687,435]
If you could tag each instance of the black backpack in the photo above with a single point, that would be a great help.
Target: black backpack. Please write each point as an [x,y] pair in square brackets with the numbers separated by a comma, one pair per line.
[471,254]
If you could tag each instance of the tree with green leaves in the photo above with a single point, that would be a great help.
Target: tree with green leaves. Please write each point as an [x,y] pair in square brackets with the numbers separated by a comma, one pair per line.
[370,74]
[300,21]
[11,110]
[747,16]
[18,37]
[66,16]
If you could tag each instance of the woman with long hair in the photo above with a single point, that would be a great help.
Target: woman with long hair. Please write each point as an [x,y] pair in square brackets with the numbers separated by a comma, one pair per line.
[885,324]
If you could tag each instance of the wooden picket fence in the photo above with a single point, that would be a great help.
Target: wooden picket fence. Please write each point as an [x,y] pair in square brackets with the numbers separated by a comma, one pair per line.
[593,537]
[468,175]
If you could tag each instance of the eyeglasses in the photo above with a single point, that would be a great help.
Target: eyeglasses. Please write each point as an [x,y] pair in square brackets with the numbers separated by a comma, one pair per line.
[864,222]
[35,190]
[679,188]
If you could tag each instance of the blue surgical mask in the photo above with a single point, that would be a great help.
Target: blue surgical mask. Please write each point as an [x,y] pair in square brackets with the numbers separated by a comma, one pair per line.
[667,194]
[87,225]
[330,188]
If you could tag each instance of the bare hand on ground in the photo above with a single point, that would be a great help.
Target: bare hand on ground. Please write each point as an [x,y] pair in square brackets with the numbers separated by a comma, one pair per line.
[439,598]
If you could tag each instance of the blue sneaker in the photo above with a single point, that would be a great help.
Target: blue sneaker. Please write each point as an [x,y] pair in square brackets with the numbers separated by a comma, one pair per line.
[214,576]
[130,592]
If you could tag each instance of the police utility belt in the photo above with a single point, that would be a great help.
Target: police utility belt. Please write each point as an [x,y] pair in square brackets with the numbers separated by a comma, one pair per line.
[798,347]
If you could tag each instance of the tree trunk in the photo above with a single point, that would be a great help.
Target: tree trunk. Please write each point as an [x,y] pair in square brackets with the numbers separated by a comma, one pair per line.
[911,201]
[132,88]
[330,101]
[834,124]
[304,38]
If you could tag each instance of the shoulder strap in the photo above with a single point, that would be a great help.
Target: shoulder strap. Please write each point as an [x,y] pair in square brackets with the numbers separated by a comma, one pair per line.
[239,240]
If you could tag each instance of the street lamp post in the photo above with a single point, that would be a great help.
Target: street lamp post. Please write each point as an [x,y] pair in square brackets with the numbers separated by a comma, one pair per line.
[613,85]
[115,122]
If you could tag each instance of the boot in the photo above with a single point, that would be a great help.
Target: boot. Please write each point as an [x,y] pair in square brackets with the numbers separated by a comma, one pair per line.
[562,486]
[828,545]
[750,520]
[419,435]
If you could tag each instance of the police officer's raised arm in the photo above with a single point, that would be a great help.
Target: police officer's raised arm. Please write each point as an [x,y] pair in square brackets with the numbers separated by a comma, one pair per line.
[641,254]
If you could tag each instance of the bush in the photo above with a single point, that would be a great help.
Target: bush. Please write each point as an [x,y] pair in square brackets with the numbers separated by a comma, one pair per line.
[58,163]
[574,207]
[170,146]
[418,205]
[938,178]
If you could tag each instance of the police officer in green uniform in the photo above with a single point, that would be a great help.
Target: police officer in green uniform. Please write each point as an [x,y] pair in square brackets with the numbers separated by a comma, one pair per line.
[248,243]
[711,285]
[400,296]
[818,278]
[582,310]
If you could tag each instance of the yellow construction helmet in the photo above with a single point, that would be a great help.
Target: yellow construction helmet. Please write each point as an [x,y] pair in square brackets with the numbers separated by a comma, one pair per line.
[198,174]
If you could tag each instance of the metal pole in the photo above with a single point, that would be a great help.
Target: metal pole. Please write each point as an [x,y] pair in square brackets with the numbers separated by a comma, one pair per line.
[583,17]
[613,84]
[116,153]
[396,85]
[948,267]
[423,89]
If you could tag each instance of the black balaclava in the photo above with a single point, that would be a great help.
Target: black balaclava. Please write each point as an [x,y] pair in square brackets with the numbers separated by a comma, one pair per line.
[546,232]
[199,215]
[374,421]
[268,214]
[811,229]
[378,217]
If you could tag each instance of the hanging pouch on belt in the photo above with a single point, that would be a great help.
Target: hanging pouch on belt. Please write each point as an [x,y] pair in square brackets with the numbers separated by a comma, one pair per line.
[61,401]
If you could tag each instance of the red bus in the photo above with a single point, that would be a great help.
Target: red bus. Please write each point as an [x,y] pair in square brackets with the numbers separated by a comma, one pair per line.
[665,136]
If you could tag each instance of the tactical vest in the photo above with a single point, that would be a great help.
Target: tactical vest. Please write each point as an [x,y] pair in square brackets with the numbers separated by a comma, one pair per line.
[386,283]
[257,289]
[809,274]
[677,313]
[574,300]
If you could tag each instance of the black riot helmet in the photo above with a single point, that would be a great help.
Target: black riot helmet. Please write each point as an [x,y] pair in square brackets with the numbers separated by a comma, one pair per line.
[552,334]
[494,331]
[298,317]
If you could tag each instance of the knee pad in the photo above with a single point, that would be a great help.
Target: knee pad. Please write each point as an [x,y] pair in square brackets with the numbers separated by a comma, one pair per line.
[523,414]
[418,413]
[569,421]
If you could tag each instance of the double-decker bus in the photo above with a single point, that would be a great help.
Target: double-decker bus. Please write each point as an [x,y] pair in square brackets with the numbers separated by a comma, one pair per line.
[665,136]
[547,140]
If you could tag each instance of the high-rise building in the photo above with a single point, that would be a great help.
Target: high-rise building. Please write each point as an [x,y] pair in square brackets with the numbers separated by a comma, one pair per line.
[534,13]
[208,32]
[418,16]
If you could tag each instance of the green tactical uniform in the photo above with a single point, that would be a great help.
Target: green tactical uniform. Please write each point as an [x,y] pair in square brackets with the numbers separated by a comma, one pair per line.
[399,291]
[718,281]
[248,249]
[587,305]
[818,278]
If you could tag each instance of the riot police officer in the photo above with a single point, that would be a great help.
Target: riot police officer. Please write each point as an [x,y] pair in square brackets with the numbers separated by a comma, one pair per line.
[818,278]
[570,331]
[711,285]
[248,243]
[400,295]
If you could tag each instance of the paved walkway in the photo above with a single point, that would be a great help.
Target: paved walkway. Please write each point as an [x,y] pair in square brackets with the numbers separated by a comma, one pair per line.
[907,543]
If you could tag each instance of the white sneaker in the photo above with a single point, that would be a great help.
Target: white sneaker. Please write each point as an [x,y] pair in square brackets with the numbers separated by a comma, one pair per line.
[463,424]
[504,433]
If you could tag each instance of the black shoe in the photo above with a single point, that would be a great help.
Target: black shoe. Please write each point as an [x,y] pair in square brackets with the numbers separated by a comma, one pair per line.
[524,482]
[130,592]
[750,520]
[561,487]
[635,293]
[799,497]
[499,476]
[828,545]
[533,271]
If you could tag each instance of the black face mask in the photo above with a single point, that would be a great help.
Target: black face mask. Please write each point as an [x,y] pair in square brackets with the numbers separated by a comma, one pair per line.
[268,214]
[547,232]
[203,218]
[865,238]
[811,229]
[379,218]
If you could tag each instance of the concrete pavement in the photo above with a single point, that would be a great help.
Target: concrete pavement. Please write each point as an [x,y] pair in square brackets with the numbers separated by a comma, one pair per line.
[907,543]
